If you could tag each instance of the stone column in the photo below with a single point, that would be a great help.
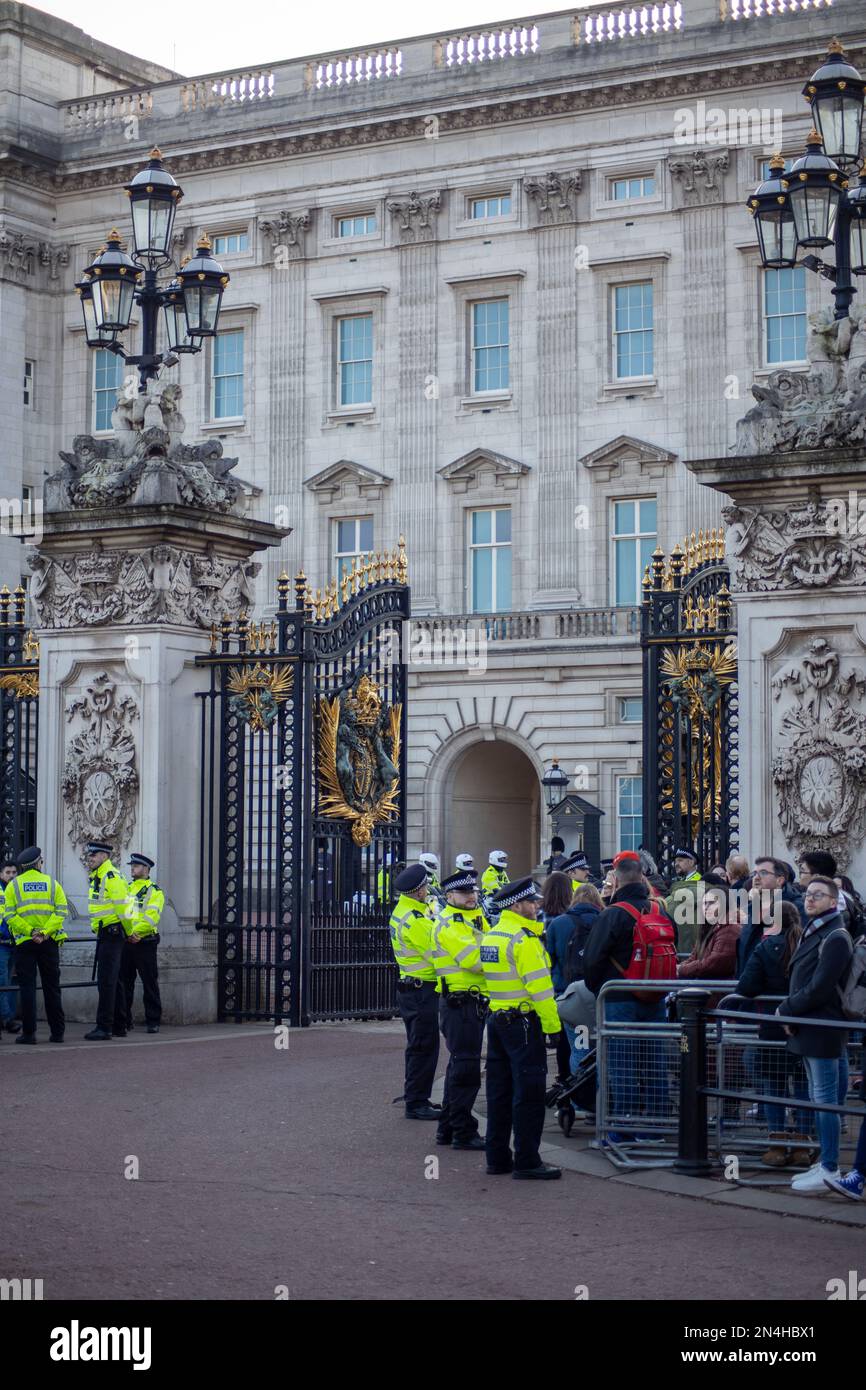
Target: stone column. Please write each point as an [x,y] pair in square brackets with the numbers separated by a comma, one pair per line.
[287,233]
[697,179]
[554,199]
[145,549]
[415,217]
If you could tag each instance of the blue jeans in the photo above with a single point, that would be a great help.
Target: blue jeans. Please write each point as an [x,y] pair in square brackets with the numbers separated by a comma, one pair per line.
[577,1053]
[778,1072]
[636,1065]
[8,998]
[823,1077]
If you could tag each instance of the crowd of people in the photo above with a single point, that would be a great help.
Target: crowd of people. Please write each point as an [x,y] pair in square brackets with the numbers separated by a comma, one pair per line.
[789,942]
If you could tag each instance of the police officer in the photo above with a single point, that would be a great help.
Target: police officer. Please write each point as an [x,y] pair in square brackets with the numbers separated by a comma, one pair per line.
[495,876]
[8,997]
[522,1009]
[577,868]
[457,935]
[146,902]
[36,907]
[109,913]
[417,989]
[464,862]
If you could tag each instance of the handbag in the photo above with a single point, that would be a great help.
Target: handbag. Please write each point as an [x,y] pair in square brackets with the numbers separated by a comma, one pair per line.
[576,1005]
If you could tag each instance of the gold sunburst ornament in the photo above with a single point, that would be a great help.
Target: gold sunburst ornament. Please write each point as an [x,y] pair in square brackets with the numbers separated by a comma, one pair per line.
[257,693]
[359,758]
[24,683]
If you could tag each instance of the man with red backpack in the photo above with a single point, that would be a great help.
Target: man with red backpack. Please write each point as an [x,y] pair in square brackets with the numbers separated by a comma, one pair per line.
[632,939]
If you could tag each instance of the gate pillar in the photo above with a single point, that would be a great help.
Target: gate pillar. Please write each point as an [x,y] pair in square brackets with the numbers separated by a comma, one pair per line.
[146,550]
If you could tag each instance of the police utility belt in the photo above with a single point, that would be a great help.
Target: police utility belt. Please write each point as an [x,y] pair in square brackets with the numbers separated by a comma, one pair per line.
[412,982]
[456,998]
[110,929]
[521,1011]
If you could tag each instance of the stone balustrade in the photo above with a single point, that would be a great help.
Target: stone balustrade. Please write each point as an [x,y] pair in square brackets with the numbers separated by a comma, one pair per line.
[538,626]
[618,21]
[483,45]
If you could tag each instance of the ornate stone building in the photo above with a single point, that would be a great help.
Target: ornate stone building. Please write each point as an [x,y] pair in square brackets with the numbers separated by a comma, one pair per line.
[489,290]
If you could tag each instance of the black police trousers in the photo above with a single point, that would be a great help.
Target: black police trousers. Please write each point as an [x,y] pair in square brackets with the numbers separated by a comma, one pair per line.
[516,1085]
[43,956]
[418,1006]
[139,958]
[462,1025]
[111,1000]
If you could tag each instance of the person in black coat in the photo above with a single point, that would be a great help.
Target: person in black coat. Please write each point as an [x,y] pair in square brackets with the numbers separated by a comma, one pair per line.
[818,967]
[770,876]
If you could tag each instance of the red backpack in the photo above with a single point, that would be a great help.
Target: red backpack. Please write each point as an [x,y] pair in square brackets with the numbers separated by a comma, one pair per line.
[653,951]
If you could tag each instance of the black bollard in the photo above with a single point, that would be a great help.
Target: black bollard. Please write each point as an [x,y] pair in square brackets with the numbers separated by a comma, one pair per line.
[692,1147]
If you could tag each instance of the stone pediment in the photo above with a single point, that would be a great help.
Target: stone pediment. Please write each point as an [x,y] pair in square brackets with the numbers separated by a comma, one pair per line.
[346,479]
[625,454]
[482,467]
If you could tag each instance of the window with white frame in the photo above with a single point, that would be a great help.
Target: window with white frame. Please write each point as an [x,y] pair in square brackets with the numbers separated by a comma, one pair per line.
[634,540]
[633,330]
[107,378]
[227,385]
[29,383]
[230,243]
[495,205]
[355,224]
[355,360]
[629,812]
[490,560]
[353,537]
[491,346]
[28,510]
[625,189]
[630,709]
[784,293]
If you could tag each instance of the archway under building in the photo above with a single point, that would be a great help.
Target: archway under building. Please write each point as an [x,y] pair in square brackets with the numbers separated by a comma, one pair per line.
[492,801]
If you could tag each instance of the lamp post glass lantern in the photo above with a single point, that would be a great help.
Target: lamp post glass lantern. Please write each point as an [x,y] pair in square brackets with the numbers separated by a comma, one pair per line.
[811,205]
[554,783]
[115,283]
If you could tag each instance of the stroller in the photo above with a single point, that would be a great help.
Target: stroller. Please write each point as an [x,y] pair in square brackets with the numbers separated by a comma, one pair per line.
[578,1093]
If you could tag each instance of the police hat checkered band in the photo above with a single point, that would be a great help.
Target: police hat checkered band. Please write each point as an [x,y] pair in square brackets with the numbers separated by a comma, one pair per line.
[685,854]
[410,878]
[466,881]
[28,856]
[97,847]
[576,861]
[517,892]
[141,859]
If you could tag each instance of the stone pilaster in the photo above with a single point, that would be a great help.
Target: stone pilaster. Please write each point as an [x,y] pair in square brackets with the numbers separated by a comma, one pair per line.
[698,177]
[553,198]
[415,219]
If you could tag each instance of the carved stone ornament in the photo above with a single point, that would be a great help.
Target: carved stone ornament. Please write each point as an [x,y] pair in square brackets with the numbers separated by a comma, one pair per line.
[554,196]
[823,407]
[810,546]
[698,177]
[100,778]
[286,229]
[20,255]
[162,585]
[415,216]
[144,461]
[820,768]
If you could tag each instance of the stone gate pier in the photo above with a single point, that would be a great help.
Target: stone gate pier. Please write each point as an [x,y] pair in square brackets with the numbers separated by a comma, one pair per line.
[147,551]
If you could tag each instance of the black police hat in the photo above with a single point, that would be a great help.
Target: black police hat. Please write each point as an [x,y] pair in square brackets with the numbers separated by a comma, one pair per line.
[28,856]
[97,847]
[465,879]
[578,860]
[516,892]
[142,859]
[685,853]
[410,879]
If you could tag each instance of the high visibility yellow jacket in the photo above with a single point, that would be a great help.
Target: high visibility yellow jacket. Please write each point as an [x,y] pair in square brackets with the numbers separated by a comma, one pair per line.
[457,933]
[383,886]
[146,902]
[493,879]
[411,930]
[517,968]
[35,902]
[109,898]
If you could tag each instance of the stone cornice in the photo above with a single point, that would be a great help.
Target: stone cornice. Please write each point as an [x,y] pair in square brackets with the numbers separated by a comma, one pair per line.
[731,77]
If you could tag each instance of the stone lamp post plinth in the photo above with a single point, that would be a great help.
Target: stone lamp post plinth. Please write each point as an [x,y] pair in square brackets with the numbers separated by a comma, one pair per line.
[146,549]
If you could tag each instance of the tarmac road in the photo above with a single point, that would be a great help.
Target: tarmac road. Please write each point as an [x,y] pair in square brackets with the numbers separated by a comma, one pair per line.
[260,1167]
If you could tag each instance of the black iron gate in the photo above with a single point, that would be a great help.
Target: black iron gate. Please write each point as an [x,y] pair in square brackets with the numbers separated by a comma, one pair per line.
[302,798]
[19,724]
[690,704]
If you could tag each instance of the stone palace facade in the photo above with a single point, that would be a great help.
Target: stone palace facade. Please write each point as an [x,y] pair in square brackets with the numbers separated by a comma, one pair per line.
[488,291]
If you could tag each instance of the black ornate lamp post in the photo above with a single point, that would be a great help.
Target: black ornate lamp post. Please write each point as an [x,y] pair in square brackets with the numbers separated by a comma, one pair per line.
[554,783]
[115,282]
[811,205]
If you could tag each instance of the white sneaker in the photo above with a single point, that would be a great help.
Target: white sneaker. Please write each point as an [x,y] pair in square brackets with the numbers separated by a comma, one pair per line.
[812,1181]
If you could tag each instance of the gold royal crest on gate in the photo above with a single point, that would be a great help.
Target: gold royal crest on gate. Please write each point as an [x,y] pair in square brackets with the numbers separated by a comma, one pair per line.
[359,754]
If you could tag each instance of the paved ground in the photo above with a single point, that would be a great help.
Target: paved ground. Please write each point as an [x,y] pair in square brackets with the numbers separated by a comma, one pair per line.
[260,1167]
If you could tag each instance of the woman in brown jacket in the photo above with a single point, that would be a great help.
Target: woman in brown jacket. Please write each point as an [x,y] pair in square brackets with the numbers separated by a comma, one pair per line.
[715,953]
